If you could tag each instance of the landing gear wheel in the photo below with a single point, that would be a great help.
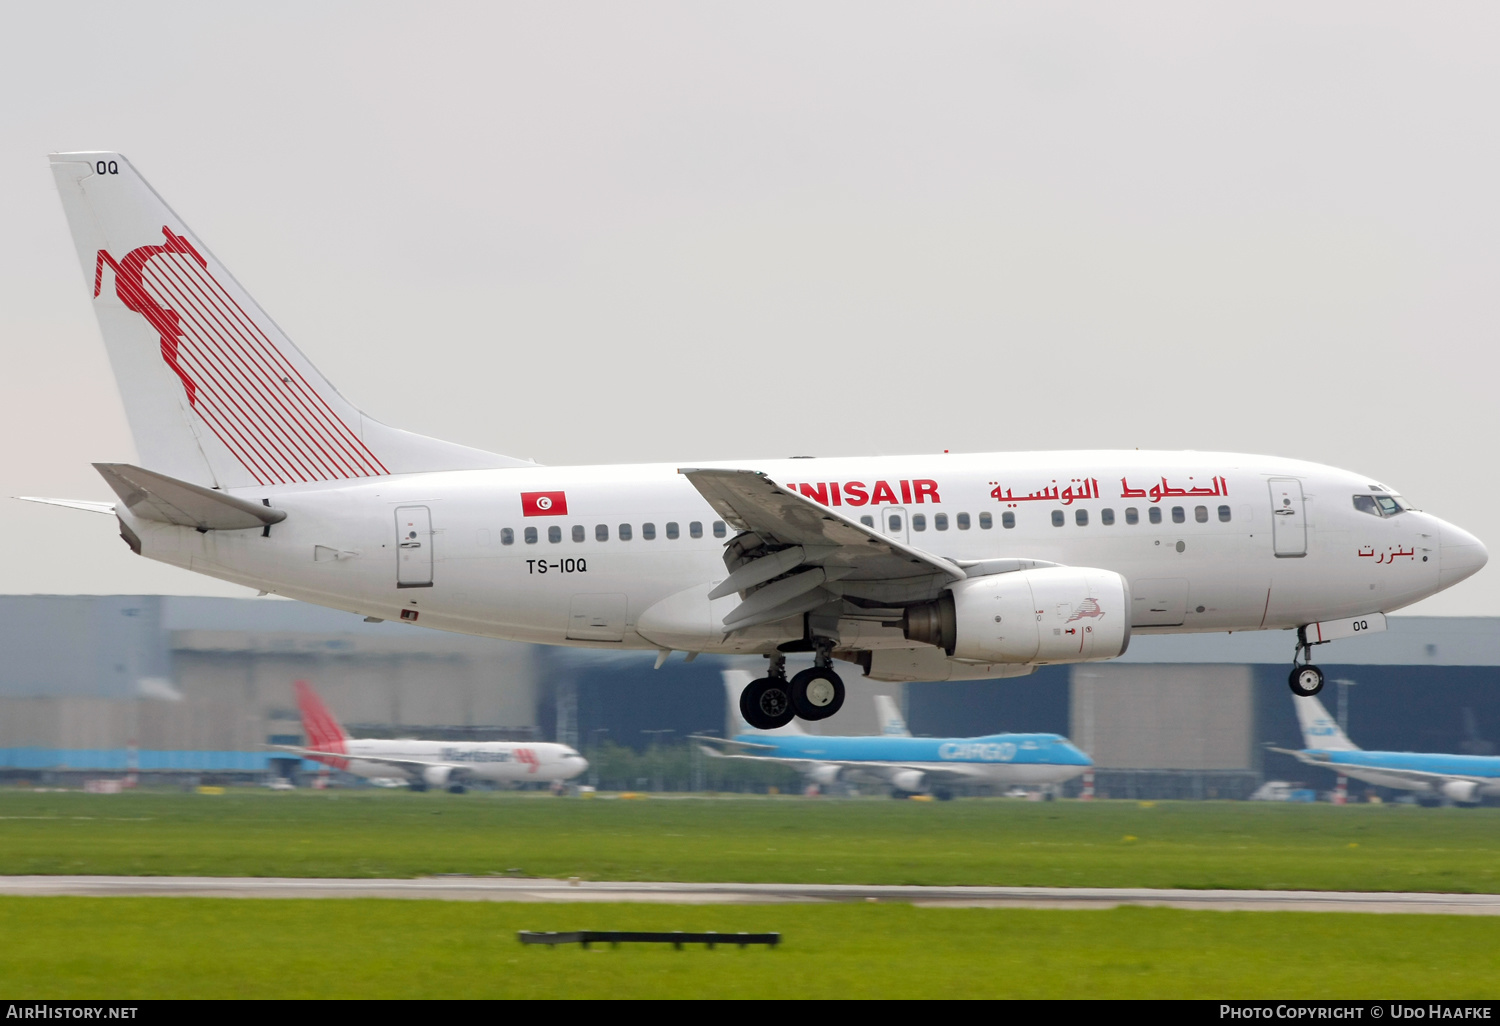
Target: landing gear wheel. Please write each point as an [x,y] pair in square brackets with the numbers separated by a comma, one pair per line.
[767,703]
[1306,680]
[817,693]
[456,789]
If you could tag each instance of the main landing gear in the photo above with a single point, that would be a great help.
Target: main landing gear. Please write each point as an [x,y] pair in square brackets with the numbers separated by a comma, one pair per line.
[1306,679]
[814,694]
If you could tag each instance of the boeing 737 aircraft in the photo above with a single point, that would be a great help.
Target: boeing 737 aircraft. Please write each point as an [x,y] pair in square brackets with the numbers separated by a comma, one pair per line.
[1462,778]
[909,765]
[942,567]
[424,764]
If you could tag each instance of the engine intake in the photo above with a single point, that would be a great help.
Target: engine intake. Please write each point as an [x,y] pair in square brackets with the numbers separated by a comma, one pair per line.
[1051,615]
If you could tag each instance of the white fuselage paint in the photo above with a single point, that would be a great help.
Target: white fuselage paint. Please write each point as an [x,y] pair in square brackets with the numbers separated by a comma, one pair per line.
[338,545]
[499,761]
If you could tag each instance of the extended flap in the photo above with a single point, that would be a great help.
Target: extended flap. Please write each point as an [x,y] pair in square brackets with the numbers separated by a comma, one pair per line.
[153,496]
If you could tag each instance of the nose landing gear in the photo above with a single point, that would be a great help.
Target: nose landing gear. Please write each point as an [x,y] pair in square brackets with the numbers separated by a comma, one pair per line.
[1306,679]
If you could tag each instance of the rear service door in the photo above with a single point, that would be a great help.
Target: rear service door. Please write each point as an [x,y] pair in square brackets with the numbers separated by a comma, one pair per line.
[413,547]
[1288,518]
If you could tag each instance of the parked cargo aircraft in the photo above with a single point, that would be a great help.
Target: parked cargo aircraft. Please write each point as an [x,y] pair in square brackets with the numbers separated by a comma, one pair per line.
[1462,778]
[943,567]
[424,764]
[908,765]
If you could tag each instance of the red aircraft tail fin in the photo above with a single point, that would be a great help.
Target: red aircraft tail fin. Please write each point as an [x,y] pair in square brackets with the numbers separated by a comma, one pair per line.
[322,728]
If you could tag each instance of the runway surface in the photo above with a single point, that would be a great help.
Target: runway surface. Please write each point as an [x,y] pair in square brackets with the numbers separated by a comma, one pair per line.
[462,888]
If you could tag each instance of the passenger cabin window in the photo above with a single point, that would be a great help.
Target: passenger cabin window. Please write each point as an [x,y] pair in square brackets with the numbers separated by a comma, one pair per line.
[1107,517]
[940,521]
[695,529]
[1154,514]
[1132,515]
[648,532]
[963,521]
[719,529]
[578,532]
[554,534]
[1200,514]
[867,520]
[672,530]
[1081,517]
[530,536]
[1058,519]
[1223,514]
[919,521]
[601,532]
[625,532]
[507,536]
[1179,515]
[894,522]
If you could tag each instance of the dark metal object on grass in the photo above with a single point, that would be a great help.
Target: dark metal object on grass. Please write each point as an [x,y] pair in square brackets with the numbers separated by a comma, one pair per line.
[676,938]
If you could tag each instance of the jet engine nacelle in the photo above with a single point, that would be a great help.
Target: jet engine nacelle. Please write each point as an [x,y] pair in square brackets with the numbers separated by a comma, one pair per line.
[437,776]
[1062,614]
[824,775]
[908,780]
[1461,790]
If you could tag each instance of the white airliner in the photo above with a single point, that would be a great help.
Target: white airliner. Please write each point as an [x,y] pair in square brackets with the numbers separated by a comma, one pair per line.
[1462,778]
[424,764]
[942,567]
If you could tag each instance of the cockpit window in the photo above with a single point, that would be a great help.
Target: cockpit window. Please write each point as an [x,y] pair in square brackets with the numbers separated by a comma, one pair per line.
[1381,505]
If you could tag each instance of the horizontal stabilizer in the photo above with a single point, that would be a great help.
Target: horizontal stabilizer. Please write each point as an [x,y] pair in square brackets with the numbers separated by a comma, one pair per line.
[153,496]
[107,508]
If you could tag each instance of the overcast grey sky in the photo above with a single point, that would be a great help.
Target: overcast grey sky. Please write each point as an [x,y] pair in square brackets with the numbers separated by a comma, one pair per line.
[621,232]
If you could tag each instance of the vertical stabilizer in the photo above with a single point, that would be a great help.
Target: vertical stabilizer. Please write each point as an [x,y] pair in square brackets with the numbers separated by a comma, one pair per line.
[734,683]
[214,392]
[892,724]
[324,733]
[1319,730]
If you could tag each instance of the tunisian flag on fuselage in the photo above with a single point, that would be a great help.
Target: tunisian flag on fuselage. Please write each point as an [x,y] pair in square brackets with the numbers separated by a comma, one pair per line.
[544,504]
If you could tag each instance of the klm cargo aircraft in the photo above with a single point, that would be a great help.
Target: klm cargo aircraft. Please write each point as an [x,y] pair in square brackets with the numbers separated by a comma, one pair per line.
[1461,778]
[908,765]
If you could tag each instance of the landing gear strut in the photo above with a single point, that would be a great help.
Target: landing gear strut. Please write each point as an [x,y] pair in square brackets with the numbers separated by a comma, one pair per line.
[767,703]
[817,692]
[1306,679]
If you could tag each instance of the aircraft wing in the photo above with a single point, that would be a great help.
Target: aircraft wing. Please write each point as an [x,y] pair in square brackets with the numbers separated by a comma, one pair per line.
[1414,775]
[86,506]
[807,545]
[415,763]
[956,771]
[728,743]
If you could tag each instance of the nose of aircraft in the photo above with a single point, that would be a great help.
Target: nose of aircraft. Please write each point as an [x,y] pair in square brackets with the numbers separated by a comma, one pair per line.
[1460,554]
[580,764]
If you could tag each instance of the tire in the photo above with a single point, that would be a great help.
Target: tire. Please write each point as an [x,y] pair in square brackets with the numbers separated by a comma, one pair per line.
[817,693]
[766,704]
[1305,680]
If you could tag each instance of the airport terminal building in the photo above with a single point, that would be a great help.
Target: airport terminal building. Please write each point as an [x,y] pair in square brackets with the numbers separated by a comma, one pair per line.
[200,686]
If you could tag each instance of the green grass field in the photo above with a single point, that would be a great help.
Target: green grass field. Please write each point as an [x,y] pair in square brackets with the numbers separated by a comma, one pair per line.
[239,948]
[1105,844]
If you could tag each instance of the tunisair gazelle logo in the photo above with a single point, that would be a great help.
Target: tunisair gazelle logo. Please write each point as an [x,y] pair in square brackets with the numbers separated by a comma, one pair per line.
[236,378]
